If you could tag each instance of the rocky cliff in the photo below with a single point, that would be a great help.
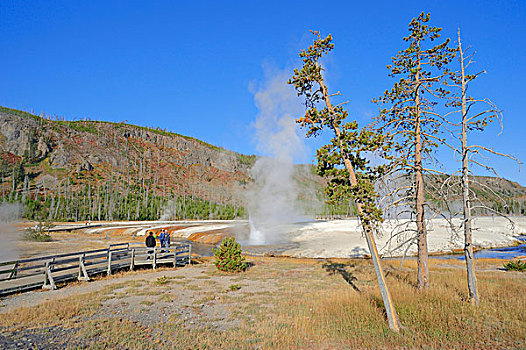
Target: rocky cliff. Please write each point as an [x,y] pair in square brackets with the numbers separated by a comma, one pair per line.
[39,154]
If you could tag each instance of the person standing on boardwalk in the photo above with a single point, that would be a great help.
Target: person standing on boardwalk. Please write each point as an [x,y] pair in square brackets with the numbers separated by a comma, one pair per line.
[166,239]
[150,243]
[161,239]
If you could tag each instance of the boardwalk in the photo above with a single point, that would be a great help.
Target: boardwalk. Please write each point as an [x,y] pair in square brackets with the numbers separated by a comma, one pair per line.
[47,271]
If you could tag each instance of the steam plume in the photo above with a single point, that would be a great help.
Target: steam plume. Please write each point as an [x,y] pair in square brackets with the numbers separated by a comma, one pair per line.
[272,200]
[9,235]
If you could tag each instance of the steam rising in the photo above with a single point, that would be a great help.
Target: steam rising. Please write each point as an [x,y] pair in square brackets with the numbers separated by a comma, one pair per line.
[9,235]
[272,201]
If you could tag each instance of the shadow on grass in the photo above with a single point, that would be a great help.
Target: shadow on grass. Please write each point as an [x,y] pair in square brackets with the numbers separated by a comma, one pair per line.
[402,277]
[344,271]
[380,306]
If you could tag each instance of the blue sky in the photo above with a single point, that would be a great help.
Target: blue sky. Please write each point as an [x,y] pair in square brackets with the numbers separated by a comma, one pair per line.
[188,66]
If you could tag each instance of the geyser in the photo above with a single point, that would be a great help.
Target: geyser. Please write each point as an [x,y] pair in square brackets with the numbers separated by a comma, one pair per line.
[272,201]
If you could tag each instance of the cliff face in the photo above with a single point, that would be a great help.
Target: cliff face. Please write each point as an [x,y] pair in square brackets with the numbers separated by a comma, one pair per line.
[66,143]
[18,134]
[92,152]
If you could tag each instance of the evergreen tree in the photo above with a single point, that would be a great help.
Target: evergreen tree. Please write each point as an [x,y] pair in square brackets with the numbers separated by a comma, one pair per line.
[342,160]
[410,116]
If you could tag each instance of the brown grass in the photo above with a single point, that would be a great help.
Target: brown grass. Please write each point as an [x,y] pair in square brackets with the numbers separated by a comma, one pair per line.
[314,309]
[117,333]
[51,313]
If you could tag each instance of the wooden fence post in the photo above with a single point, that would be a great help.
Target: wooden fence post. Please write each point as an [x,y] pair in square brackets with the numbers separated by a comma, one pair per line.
[109,262]
[83,273]
[175,256]
[189,254]
[132,262]
[14,272]
[49,283]
[154,264]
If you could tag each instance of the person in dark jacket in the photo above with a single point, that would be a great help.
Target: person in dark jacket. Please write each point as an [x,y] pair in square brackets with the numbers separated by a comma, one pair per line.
[150,243]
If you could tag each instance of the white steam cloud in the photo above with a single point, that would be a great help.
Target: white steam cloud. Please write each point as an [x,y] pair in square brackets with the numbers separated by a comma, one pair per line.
[9,234]
[272,202]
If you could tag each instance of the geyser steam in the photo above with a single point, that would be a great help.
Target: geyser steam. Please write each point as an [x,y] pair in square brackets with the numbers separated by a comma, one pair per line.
[272,202]
[9,235]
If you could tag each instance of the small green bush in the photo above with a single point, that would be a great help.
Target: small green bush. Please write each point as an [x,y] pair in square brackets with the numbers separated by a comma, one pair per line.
[234,287]
[162,280]
[228,256]
[40,232]
[515,266]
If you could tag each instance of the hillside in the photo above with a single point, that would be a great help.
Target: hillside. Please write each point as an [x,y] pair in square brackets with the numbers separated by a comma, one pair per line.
[102,170]
[489,195]
[94,170]
[500,195]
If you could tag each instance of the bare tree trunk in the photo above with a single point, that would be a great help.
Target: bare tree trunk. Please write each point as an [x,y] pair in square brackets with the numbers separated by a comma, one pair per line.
[26,189]
[13,183]
[423,263]
[51,209]
[99,201]
[184,205]
[468,246]
[392,316]
[77,207]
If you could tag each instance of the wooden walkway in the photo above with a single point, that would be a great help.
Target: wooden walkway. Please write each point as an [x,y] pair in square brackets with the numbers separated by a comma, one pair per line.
[46,271]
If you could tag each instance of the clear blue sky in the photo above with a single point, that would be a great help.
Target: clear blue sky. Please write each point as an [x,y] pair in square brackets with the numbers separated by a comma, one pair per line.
[187,66]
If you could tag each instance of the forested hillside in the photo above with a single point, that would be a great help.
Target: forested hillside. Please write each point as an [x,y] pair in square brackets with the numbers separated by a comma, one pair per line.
[490,195]
[93,170]
[79,170]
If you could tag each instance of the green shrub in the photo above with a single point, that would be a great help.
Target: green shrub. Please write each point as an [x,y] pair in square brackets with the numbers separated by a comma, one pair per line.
[515,266]
[234,287]
[228,256]
[31,235]
[40,232]
[162,280]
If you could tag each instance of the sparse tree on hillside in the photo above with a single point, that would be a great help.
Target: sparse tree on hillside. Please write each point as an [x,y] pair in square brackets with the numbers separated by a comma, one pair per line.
[475,115]
[342,161]
[411,118]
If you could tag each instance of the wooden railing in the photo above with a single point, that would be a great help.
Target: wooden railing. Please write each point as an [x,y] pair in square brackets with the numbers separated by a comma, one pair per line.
[47,271]
[334,217]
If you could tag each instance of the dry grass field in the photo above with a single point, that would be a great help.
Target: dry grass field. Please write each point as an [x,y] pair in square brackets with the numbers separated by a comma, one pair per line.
[278,303]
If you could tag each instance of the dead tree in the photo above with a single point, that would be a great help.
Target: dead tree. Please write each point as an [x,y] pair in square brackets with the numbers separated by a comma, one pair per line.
[475,115]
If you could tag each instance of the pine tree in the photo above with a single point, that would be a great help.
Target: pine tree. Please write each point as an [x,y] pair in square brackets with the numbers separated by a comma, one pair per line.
[411,118]
[342,161]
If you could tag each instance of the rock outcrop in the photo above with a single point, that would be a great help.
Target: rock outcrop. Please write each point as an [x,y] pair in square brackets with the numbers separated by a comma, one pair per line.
[88,150]
[18,133]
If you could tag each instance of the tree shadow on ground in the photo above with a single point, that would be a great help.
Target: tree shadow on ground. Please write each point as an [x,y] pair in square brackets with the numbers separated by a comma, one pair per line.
[380,306]
[344,270]
[401,276]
